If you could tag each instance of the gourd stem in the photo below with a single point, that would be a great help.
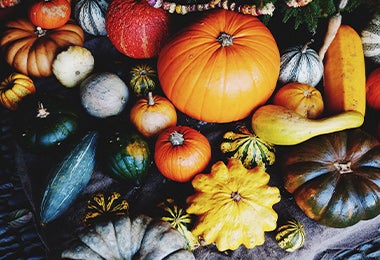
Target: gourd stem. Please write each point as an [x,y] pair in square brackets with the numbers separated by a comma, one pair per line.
[42,111]
[225,39]
[176,138]
[343,167]
[150,99]
[304,48]
[236,196]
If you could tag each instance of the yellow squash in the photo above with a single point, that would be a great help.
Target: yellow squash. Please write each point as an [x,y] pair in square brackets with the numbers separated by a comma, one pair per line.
[344,73]
[282,126]
[233,205]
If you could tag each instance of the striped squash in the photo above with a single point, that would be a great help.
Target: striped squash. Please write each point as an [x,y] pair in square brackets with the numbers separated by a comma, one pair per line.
[290,236]
[300,64]
[90,15]
[370,37]
[248,148]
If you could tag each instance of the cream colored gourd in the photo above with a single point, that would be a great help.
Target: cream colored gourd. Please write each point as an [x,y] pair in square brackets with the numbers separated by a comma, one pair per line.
[130,238]
[281,126]
[73,65]
[104,94]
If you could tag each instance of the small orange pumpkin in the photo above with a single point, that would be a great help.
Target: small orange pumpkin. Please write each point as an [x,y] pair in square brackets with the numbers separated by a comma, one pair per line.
[303,98]
[152,114]
[181,152]
[49,14]
[373,89]
[14,88]
[220,68]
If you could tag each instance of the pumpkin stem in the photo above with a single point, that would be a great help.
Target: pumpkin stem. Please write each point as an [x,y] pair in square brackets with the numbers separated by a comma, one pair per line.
[150,99]
[343,167]
[39,31]
[304,48]
[176,138]
[236,196]
[42,111]
[225,39]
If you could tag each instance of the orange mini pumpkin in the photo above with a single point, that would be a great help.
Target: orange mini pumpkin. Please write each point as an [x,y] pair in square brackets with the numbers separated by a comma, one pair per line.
[31,50]
[181,152]
[305,99]
[152,114]
[221,67]
[49,14]
[373,89]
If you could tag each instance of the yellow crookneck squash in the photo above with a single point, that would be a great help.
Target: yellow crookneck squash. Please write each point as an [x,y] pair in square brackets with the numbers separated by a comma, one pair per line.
[233,205]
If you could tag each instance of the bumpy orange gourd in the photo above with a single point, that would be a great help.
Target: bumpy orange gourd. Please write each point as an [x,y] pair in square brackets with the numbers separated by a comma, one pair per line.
[49,14]
[181,152]
[233,205]
[220,67]
[373,89]
[152,114]
[31,50]
[305,99]
[344,73]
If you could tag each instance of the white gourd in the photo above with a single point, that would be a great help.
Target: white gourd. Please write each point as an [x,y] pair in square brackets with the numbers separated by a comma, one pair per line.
[104,94]
[73,65]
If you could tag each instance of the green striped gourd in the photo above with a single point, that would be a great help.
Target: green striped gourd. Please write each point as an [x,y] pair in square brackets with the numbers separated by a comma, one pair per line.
[248,148]
[69,178]
[370,36]
[290,236]
[90,15]
[300,64]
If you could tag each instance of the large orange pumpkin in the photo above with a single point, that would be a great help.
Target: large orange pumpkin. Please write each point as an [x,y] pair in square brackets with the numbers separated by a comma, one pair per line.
[221,67]
[31,50]
[49,14]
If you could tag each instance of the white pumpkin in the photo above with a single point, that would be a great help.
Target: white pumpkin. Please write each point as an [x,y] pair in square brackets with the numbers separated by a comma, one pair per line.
[90,15]
[130,238]
[370,36]
[73,65]
[104,94]
[300,64]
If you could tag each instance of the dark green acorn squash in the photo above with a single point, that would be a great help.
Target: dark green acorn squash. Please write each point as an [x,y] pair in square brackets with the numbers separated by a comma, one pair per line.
[126,156]
[45,122]
[335,178]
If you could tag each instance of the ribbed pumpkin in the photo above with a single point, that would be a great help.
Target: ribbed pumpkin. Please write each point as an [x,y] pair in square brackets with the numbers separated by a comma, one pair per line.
[233,205]
[14,88]
[370,36]
[220,67]
[303,98]
[334,178]
[31,50]
[373,89]
[248,148]
[290,236]
[90,15]
[300,64]
[137,29]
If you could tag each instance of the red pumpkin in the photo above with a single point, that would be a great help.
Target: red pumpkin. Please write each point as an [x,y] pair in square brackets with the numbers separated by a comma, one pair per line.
[181,152]
[136,29]
[373,89]
[50,14]
[221,67]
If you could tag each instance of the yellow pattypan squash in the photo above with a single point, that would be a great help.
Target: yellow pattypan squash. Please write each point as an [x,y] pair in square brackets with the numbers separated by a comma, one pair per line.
[233,205]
